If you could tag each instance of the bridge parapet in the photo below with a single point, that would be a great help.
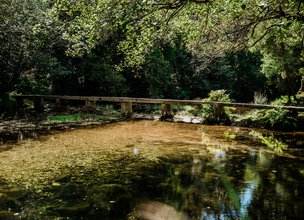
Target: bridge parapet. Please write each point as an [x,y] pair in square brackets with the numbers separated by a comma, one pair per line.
[127,102]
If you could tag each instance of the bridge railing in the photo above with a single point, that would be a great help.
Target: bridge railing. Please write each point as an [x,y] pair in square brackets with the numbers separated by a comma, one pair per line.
[127,102]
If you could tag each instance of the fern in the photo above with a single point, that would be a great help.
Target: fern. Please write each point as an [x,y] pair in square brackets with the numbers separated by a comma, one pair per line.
[270,141]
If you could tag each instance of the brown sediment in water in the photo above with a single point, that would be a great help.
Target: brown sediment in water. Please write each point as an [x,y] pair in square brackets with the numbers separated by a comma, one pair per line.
[36,163]
[105,170]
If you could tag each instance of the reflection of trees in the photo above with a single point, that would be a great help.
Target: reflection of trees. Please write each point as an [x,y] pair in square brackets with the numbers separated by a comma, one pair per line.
[238,186]
[280,191]
[201,188]
[203,185]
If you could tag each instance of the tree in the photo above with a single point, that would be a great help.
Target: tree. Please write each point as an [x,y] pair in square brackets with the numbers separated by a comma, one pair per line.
[178,47]
[25,31]
[283,59]
[208,28]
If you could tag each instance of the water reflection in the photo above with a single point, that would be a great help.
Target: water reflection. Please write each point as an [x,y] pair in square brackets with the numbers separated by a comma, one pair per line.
[156,171]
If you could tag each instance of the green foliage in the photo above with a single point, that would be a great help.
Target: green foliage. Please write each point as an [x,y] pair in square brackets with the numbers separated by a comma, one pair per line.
[157,72]
[75,117]
[166,73]
[207,111]
[18,40]
[270,141]
[219,95]
[64,118]
[269,118]
[99,76]
[7,104]
[171,72]
[41,77]
[173,49]
[259,98]
[278,117]
[232,193]
[284,100]
[207,28]
[236,72]
[29,85]
[246,77]
[282,51]
[229,136]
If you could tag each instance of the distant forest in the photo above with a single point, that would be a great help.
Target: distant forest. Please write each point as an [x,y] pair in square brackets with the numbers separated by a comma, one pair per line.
[150,48]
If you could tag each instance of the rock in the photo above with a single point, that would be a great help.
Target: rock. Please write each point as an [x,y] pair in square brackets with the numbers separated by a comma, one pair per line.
[56,184]
[15,193]
[196,121]
[7,202]
[63,179]
[5,148]
[75,210]
[6,215]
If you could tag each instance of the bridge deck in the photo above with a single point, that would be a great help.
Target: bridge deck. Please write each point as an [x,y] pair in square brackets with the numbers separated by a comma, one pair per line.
[159,101]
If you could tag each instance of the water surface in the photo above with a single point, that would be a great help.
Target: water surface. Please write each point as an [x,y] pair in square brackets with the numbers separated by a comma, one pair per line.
[133,170]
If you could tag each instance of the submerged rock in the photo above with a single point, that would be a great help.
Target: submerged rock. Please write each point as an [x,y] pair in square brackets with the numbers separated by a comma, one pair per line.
[7,215]
[11,199]
[5,148]
[77,209]
[63,179]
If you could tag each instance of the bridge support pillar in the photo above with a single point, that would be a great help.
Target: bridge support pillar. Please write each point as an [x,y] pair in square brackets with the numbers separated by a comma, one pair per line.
[20,102]
[38,104]
[218,111]
[60,104]
[126,109]
[166,112]
[90,105]
[294,114]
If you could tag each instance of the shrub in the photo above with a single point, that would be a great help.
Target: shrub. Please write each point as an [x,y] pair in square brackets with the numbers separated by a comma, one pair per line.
[219,95]
[259,98]
[207,111]
[284,100]
[278,119]
[7,104]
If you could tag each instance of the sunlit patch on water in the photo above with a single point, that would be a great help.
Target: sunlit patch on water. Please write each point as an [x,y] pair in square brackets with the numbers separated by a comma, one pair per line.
[151,170]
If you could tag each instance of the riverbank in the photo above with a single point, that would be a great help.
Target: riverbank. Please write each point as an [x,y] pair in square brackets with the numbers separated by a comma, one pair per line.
[34,126]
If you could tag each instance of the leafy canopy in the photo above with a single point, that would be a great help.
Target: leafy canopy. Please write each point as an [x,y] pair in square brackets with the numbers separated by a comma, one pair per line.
[208,28]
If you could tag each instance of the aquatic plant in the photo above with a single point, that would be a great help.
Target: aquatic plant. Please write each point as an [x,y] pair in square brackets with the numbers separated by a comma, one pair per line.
[269,141]
[229,136]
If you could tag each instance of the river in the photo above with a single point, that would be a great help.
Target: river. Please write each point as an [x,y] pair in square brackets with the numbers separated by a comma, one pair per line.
[152,170]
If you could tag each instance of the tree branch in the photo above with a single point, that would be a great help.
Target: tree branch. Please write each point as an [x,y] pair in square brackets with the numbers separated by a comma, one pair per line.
[268,29]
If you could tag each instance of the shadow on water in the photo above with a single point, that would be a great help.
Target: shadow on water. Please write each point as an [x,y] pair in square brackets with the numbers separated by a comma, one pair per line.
[239,186]
[201,181]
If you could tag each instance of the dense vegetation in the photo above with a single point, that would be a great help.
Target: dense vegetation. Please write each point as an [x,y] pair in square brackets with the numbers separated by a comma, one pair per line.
[151,48]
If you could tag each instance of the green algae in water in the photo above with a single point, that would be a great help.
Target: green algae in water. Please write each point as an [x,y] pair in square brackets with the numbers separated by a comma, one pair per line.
[96,174]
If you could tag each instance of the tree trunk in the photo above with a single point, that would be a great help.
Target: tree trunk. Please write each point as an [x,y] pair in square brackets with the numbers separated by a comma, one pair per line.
[302,85]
